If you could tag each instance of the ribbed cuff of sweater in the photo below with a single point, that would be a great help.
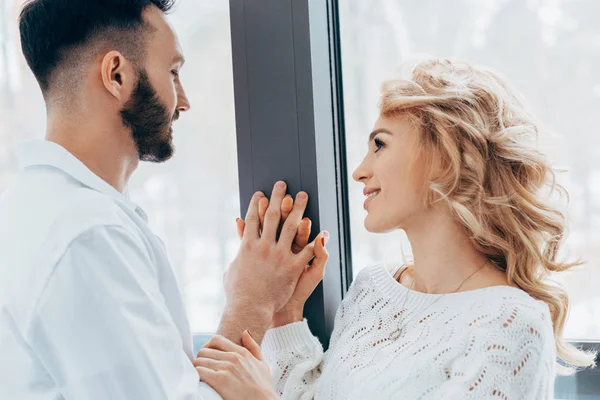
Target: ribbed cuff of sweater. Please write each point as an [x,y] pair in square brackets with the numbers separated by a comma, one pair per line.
[289,337]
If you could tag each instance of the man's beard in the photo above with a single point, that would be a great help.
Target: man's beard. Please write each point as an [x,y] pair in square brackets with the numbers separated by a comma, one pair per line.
[150,122]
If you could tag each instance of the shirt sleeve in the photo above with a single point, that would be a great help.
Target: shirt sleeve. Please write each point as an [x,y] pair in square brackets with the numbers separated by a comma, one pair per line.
[101,327]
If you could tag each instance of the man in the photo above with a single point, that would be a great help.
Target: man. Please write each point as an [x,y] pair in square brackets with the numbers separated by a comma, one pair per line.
[89,305]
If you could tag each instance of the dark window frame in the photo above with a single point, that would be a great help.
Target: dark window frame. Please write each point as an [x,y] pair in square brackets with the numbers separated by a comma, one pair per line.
[289,119]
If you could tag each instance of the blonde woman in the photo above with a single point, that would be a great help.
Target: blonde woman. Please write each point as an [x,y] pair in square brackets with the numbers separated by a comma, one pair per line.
[452,161]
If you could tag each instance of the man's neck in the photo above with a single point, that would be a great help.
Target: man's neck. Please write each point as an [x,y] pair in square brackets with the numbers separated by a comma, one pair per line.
[108,151]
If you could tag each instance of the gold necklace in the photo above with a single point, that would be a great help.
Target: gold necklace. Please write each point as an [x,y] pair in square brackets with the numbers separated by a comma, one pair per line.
[396,333]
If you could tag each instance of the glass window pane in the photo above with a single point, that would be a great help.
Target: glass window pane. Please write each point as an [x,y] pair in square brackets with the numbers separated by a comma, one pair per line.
[192,200]
[547,49]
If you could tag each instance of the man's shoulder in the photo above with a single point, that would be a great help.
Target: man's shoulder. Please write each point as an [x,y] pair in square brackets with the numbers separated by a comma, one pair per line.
[36,234]
[86,209]
[52,205]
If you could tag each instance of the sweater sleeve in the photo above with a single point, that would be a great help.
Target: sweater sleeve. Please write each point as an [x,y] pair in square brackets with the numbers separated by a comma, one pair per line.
[295,357]
[517,361]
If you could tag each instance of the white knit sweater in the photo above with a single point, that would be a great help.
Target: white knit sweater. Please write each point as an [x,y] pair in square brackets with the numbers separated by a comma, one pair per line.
[492,343]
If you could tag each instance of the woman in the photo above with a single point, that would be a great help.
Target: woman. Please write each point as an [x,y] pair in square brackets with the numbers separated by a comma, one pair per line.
[452,161]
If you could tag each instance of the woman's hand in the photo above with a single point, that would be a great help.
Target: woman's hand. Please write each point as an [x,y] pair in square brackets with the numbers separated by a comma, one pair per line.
[312,275]
[235,372]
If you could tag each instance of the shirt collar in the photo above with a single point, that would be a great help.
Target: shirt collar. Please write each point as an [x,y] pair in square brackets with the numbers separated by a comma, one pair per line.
[33,153]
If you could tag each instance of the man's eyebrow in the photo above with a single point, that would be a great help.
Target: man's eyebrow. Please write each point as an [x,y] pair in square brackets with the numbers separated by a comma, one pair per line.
[179,58]
[376,131]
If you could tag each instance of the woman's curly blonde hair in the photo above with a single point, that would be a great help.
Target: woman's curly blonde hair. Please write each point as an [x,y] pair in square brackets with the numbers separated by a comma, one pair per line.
[480,144]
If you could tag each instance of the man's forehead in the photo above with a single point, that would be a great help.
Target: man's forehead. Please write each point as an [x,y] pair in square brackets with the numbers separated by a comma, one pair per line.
[163,31]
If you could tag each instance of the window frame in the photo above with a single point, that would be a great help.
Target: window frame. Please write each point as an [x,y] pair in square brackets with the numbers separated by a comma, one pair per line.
[289,120]
[289,107]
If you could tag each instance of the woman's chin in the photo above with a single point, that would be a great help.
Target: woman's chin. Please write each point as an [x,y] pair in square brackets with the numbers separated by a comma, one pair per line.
[379,225]
[373,225]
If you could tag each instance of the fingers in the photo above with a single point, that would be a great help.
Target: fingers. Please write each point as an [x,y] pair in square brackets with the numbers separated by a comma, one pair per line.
[290,228]
[303,234]
[219,342]
[207,352]
[240,224]
[210,363]
[273,213]
[209,376]
[286,207]
[304,227]
[252,220]
[263,205]
[251,345]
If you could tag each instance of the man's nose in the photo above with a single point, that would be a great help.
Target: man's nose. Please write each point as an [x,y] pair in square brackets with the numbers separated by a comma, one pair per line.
[183,104]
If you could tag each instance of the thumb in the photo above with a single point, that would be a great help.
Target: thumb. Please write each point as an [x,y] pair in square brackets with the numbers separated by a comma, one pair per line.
[250,344]
[317,269]
[309,251]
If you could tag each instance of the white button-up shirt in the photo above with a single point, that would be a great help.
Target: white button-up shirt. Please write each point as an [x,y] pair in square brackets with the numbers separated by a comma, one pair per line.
[89,304]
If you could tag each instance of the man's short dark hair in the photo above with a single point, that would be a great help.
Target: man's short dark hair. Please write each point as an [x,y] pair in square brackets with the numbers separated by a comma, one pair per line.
[53,30]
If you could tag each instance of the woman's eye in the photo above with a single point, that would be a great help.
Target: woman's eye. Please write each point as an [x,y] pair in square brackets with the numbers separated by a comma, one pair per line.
[378,144]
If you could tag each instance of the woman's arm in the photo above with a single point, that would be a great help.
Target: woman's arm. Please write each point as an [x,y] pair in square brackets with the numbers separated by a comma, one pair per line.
[295,357]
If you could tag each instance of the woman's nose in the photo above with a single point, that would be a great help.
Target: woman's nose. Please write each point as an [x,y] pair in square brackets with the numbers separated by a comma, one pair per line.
[359,173]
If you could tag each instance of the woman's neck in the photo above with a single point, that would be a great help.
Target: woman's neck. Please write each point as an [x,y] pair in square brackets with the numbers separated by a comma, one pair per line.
[445,257]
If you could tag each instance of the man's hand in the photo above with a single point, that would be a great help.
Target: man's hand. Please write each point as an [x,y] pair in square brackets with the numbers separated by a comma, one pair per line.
[235,372]
[287,205]
[312,274]
[263,276]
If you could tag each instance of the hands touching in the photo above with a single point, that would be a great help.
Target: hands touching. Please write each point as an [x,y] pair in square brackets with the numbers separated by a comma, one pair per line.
[261,283]
[312,274]
[235,372]
[266,285]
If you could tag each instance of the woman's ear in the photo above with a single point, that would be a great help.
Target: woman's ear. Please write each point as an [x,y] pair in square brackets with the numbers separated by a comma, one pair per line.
[118,76]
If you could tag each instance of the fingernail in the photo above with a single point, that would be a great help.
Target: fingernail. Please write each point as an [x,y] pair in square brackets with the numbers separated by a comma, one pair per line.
[281,184]
[258,195]
[288,196]
[302,196]
[237,220]
[249,333]
[325,237]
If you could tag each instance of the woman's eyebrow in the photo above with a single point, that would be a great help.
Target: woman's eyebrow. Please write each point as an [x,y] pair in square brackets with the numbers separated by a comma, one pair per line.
[376,131]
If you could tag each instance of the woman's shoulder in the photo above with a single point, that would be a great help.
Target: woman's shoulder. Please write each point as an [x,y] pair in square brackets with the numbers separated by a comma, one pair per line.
[371,271]
[514,312]
[514,298]
[374,280]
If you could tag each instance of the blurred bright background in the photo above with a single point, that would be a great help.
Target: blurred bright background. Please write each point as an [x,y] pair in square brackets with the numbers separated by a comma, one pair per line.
[549,49]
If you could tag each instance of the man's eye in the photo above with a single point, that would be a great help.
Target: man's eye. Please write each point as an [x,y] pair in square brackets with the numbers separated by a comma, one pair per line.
[175,73]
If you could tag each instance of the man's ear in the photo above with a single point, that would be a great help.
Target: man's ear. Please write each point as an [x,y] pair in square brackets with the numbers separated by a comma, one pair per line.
[117,75]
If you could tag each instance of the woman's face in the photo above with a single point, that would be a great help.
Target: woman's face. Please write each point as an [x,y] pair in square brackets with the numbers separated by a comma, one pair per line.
[393,172]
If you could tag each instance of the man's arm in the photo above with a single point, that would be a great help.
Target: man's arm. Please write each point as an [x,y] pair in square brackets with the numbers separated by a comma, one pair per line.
[102,329]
